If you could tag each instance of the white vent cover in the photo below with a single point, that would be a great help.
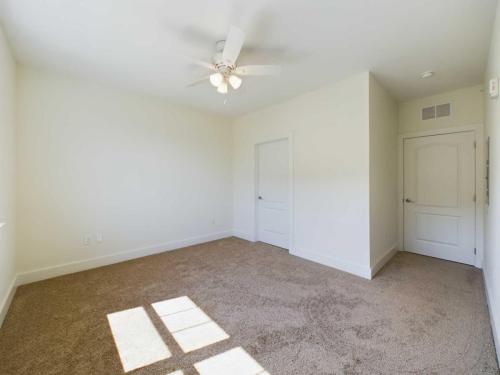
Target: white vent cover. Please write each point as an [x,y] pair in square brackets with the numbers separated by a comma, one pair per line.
[443,110]
[429,113]
[436,111]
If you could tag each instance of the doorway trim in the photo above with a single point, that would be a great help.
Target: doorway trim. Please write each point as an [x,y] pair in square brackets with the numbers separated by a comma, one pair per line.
[478,130]
[291,215]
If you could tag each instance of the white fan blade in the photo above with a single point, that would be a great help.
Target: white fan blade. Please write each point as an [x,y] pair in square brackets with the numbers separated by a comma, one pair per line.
[201,63]
[258,70]
[233,44]
[198,81]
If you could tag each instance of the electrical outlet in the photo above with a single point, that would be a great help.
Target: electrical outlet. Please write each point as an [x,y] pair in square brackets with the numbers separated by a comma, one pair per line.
[493,88]
[98,237]
[87,240]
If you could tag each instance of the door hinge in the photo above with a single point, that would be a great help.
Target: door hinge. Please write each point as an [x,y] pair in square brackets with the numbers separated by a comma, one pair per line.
[474,198]
[475,145]
[475,251]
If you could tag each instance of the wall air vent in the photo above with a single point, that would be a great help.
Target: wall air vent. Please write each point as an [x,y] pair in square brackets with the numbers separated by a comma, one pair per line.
[436,111]
[443,110]
[429,113]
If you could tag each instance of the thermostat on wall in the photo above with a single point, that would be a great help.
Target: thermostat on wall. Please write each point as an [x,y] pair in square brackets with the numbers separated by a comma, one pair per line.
[493,87]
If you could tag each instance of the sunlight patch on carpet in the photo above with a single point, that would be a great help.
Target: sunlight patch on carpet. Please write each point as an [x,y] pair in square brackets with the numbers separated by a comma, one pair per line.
[234,361]
[191,328]
[138,342]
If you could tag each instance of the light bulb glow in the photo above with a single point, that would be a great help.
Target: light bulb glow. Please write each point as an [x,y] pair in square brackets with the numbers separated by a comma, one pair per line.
[222,87]
[235,82]
[216,79]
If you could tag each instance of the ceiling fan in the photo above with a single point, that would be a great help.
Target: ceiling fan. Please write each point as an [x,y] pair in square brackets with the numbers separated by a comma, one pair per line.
[225,71]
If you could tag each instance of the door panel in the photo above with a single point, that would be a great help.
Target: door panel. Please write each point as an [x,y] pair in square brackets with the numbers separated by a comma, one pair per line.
[272,192]
[438,228]
[437,182]
[439,192]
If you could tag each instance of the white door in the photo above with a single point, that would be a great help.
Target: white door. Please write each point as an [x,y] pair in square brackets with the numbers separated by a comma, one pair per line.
[439,196]
[272,193]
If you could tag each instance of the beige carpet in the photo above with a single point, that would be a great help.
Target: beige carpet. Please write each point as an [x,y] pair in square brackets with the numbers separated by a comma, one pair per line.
[418,316]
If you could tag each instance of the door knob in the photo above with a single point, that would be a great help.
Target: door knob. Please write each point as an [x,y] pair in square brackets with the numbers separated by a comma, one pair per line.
[260,197]
[408,200]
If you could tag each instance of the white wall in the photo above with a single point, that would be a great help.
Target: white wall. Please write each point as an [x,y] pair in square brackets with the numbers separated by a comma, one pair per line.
[7,174]
[331,172]
[143,173]
[383,175]
[467,108]
[492,219]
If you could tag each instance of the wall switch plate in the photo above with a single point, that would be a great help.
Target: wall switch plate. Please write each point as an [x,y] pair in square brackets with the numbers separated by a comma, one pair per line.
[493,89]
[98,238]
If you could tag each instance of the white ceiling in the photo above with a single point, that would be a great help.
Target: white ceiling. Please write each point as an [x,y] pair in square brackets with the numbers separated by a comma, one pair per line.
[140,44]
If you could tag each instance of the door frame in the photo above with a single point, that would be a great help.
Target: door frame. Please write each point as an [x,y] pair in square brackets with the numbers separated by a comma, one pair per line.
[478,131]
[291,221]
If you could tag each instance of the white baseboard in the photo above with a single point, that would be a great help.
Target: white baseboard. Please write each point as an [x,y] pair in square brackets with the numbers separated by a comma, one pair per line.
[82,265]
[381,262]
[4,307]
[353,268]
[492,307]
[243,235]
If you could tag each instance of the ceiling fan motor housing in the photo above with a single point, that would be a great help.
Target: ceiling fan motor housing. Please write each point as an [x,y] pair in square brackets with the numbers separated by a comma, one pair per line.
[223,67]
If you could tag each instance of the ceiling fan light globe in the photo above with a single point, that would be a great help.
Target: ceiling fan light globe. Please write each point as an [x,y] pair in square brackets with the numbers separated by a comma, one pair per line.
[222,88]
[216,79]
[235,82]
